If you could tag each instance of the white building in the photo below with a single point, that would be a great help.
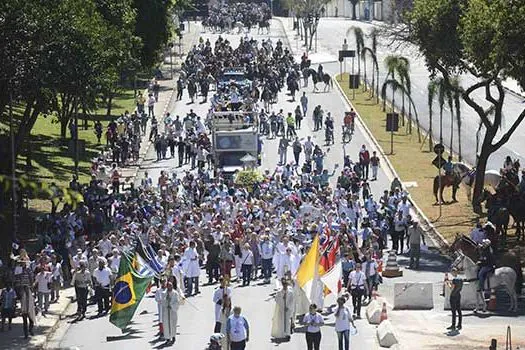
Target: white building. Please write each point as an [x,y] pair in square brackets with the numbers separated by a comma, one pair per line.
[379,10]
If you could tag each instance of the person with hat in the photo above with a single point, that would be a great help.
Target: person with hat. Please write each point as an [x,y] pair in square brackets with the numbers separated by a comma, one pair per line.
[81,281]
[478,234]
[486,262]
[415,237]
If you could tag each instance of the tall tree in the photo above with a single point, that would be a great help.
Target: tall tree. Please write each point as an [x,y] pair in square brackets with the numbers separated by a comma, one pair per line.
[485,38]
[359,39]
[431,93]
[375,69]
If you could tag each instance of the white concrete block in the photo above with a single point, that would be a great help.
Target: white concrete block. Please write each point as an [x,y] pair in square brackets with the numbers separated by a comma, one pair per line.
[413,296]
[468,296]
[386,334]
[373,311]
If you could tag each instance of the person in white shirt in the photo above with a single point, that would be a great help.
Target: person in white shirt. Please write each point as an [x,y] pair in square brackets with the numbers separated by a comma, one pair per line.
[314,321]
[404,206]
[105,246]
[266,250]
[42,280]
[247,264]
[102,277]
[237,330]
[343,320]
[191,269]
[115,262]
[357,287]
[56,278]
[219,297]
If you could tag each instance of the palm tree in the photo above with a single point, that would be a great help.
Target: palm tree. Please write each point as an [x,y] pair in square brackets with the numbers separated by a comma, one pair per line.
[457,98]
[402,70]
[395,85]
[432,91]
[391,62]
[454,85]
[374,33]
[375,67]
[443,95]
[360,43]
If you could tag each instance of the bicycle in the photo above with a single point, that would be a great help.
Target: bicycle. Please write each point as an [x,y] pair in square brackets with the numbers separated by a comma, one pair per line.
[347,134]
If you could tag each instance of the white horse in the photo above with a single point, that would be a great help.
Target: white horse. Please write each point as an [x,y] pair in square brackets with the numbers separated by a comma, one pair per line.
[502,277]
[468,178]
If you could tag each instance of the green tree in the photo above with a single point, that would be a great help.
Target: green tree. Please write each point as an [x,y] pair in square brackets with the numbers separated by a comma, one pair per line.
[431,93]
[375,70]
[485,38]
[359,39]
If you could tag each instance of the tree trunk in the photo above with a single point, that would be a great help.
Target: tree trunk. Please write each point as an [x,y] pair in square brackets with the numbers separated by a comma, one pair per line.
[377,84]
[430,143]
[85,115]
[109,104]
[403,107]
[372,87]
[364,72]
[486,150]
[451,130]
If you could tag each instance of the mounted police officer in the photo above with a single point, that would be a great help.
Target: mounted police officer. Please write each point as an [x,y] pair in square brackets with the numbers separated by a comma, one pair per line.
[486,262]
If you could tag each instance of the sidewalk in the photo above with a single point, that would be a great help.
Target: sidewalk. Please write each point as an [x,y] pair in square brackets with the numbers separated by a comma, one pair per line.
[43,329]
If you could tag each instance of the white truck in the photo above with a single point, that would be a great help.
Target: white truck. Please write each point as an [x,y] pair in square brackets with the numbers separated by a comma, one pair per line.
[235,141]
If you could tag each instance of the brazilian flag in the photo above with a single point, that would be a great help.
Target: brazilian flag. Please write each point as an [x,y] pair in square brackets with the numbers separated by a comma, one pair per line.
[128,291]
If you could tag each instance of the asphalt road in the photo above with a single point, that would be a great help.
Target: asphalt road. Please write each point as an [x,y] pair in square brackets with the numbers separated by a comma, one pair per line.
[196,319]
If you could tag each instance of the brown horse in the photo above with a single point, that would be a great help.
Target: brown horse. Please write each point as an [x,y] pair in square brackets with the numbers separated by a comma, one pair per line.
[497,214]
[446,181]
[511,258]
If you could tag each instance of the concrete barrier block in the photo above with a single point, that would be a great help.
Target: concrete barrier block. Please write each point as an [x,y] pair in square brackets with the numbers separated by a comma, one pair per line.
[413,296]
[468,296]
[386,334]
[373,310]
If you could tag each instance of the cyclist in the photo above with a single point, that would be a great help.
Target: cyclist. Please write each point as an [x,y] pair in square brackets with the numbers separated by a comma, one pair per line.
[349,120]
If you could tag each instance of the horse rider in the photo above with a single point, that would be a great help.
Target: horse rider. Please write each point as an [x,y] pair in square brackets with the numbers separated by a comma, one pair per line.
[448,167]
[320,72]
[486,262]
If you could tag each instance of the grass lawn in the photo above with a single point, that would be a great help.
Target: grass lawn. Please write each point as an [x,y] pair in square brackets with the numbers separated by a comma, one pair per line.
[52,161]
[413,163]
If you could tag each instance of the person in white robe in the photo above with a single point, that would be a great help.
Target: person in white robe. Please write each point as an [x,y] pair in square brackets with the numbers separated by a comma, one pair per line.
[220,294]
[192,270]
[171,300]
[287,262]
[225,313]
[284,312]
[158,299]
[178,274]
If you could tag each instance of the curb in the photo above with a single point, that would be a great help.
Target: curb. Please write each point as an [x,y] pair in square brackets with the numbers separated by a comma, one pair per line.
[439,241]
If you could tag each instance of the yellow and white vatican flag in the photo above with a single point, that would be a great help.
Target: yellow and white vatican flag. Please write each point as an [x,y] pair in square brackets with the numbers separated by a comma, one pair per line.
[308,272]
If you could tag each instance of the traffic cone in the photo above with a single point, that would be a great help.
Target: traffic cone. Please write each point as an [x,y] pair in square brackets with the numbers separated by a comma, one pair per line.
[491,306]
[383,316]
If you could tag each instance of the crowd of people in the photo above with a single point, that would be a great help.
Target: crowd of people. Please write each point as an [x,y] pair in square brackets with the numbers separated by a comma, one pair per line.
[224,17]
[194,221]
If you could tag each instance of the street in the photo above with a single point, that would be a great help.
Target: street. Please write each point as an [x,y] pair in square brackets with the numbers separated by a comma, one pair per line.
[196,318]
